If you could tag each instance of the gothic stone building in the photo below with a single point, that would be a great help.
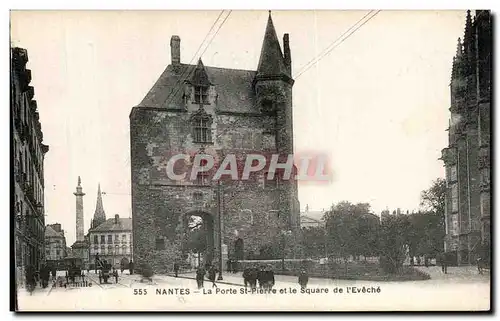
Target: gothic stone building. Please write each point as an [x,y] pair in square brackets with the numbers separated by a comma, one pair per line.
[207,110]
[27,158]
[467,158]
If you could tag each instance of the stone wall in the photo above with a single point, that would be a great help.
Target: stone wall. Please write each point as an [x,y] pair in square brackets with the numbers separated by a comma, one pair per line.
[250,209]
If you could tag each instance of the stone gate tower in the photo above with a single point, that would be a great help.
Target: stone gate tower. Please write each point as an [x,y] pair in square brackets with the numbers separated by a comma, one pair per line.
[195,110]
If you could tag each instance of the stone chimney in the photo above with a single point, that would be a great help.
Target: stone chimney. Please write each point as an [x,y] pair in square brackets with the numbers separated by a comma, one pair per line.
[117,219]
[175,50]
[287,54]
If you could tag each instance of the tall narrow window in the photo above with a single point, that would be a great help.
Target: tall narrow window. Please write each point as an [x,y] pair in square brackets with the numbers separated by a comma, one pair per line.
[201,95]
[202,132]
[454,198]
[453,173]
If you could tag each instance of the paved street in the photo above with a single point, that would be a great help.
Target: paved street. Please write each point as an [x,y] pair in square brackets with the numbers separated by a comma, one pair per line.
[176,294]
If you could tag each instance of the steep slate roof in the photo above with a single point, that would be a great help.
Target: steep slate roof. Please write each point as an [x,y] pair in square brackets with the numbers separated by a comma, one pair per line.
[124,224]
[50,232]
[233,87]
[271,60]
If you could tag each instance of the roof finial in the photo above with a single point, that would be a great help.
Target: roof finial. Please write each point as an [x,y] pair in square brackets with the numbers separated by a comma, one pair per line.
[79,181]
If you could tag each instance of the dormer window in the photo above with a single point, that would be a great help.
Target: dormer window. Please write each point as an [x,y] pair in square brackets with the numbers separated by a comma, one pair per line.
[201,95]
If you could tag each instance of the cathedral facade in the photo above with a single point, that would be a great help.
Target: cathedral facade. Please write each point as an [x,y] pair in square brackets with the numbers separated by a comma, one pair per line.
[467,157]
[197,110]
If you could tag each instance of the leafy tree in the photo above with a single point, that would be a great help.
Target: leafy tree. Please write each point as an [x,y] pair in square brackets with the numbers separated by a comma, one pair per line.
[433,199]
[431,223]
[313,241]
[352,230]
[393,242]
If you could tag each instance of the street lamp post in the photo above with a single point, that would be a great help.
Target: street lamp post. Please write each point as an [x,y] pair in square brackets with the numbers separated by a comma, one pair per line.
[219,209]
[283,240]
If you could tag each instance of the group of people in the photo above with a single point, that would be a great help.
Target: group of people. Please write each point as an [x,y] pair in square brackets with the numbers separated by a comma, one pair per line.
[264,275]
[34,277]
[210,271]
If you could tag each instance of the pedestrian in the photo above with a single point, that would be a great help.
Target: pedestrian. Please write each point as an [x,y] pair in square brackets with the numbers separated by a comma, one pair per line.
[97,262]
[212,272]
[116,276]
[261,277]
[200,275]
[246,277]
[269,278]
[45,275]
[30,279]
[303,279]
[131,267]
[444,263]
[252,278]
[479,262]
[54,272]
[176,269]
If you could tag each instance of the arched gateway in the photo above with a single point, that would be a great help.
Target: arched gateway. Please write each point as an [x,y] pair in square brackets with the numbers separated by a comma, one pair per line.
[199,235]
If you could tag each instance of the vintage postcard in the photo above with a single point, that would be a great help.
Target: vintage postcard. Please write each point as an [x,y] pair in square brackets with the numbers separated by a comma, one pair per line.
[227,160]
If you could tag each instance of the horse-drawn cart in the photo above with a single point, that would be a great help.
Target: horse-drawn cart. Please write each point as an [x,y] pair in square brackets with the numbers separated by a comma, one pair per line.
[74,268]
[105,271]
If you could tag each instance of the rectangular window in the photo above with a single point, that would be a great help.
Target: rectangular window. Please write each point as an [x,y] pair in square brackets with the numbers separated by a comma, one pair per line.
[485,176]
[103,239]
[202,131]
[117,238]
[485,204]
[110,239]
[160,244]
[201,95]
[58,252]
[454,225]
[454,198]
[96,239]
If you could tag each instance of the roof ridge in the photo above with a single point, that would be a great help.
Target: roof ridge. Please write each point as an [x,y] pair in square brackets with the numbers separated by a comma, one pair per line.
[214,67]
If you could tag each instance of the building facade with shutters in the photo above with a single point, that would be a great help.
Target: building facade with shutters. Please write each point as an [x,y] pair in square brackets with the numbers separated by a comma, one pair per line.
[55,244]
[467,157]
[27,159]
[112,241]
[201,110]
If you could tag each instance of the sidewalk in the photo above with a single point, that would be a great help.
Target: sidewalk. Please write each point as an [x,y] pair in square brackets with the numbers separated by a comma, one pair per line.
[469,272]
[37,291]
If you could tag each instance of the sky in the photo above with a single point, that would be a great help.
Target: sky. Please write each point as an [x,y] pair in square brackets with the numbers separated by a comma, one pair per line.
[377,104]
